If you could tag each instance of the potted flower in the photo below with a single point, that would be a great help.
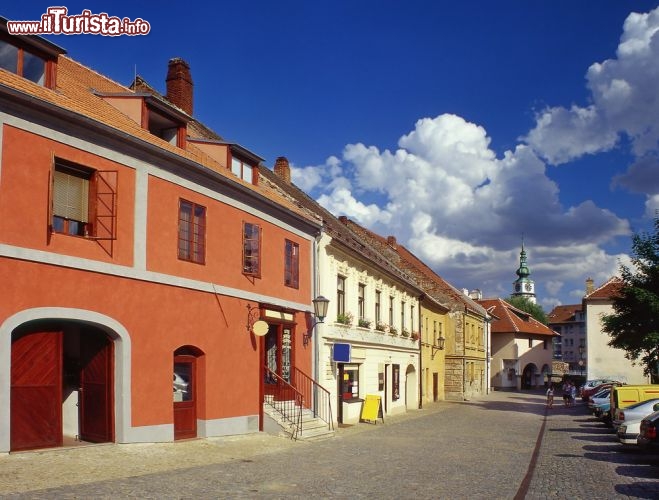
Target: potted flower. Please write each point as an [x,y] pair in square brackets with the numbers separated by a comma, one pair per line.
[393,330]
[380,327]
[405,333]
[415,336]
[345,319]
[364,323]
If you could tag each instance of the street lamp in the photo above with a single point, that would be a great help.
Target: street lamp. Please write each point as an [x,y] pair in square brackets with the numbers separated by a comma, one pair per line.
[320,304]
[581,363]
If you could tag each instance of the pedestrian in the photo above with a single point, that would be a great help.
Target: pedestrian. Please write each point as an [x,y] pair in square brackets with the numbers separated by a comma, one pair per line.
[573,394]
[566,393]
[550,396]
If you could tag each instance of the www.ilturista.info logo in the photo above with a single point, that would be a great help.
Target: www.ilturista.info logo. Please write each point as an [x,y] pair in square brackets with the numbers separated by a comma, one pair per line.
[56,21]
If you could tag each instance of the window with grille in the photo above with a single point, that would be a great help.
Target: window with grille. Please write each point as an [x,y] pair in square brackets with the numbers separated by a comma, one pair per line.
[83,201]
[252,249]
[291,264]
[191,232]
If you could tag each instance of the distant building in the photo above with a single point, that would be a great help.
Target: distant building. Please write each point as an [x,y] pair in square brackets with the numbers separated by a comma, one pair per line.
[523,286]
[570,322]
[521,347]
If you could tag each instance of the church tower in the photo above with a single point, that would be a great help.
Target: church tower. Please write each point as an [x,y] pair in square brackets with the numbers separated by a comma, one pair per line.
[523,286]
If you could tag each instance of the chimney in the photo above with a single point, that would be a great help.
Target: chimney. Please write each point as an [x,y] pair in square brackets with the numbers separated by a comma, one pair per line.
[391,241]
[343,219]
[283,169]
[179,84]
[590,286]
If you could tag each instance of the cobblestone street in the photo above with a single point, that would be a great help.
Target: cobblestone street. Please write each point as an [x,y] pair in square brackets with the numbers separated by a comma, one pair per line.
[484,448]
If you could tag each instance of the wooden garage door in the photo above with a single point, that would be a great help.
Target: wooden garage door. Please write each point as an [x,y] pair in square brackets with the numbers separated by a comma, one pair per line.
[36,391]
[96,359]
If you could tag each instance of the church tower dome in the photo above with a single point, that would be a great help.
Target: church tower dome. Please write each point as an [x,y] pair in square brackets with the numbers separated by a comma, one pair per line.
[524,286]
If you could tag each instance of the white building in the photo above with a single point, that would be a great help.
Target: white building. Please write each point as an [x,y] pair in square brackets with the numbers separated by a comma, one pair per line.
[604,361]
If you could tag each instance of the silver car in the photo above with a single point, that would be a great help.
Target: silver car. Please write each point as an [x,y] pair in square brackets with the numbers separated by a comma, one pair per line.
[628,432]
[637,411]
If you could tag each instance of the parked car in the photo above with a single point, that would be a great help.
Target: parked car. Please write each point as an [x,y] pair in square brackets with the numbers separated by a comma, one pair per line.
[586,393]
[603,412]
[626,395]
[598,399]
[648,437]
[636,411]
[586,390]
[628,432]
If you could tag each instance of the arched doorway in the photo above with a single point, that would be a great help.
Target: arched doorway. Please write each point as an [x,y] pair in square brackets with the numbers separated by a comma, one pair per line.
[186,392]
[411,388]
[61,385]
[529,376]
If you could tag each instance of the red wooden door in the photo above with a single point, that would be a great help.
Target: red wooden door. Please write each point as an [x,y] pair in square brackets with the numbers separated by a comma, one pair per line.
[96,360]
[36,391]
[185,404]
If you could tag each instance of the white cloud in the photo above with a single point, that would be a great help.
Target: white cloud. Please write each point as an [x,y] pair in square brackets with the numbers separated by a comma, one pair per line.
[625,100]
[459,207]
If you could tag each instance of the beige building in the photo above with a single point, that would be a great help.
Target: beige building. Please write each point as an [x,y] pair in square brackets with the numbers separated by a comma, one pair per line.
[521,347]
[602,360]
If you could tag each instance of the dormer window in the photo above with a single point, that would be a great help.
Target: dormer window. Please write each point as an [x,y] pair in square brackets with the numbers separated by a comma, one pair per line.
[166,128]
[30,57]
[242,169]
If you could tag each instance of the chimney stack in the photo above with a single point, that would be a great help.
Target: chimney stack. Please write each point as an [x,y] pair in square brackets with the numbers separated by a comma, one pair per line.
[391,241]
[179,84]
[283,169]
[590,286]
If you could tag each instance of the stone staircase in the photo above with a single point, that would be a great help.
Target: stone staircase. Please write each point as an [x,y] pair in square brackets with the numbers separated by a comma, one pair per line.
[312,429]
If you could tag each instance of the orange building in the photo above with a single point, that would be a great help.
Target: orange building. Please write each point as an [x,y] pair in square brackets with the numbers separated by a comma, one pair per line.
[136,247]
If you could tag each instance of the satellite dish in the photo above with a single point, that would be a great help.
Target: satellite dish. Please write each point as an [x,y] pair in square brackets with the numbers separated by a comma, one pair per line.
[260,328]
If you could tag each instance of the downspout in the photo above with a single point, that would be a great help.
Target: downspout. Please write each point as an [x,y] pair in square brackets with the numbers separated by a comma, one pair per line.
[315,345]
[464,354]
[420,357]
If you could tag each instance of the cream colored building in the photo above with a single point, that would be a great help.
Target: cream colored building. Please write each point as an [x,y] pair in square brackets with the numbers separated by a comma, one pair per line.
[603,361]
[521,347]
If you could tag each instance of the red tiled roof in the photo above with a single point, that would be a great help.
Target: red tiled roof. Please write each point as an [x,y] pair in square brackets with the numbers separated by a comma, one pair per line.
[509,319]
[430,282]
[76,92]
[564,313]
[607,291]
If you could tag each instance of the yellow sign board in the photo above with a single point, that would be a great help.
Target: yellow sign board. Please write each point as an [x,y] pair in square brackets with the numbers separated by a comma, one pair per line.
[372,409]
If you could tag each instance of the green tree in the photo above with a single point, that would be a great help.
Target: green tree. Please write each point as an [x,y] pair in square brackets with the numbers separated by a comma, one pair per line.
[526,305]
[634,324]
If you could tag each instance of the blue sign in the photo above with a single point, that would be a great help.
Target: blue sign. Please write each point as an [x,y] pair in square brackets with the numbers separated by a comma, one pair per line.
[341,353]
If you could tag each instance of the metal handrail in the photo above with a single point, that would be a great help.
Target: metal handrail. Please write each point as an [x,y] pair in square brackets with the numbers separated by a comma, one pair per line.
[286,400]
[316,397]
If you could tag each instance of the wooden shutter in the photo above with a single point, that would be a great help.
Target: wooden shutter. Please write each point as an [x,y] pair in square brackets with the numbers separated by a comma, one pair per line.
[104,214]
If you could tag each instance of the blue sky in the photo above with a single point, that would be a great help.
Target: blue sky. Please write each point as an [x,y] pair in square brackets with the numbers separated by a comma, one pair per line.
[455,126]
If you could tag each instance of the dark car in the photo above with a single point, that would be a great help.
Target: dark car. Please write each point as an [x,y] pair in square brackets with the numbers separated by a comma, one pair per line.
[649,435]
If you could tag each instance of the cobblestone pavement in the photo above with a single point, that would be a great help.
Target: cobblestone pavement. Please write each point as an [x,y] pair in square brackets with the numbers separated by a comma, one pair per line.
[581,458]
[474,449]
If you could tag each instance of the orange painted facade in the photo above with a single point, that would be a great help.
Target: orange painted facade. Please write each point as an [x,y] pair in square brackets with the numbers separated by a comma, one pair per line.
[133,293]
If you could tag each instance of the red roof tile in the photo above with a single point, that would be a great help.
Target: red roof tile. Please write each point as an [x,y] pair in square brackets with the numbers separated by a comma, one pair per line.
[509,319]
[607,291]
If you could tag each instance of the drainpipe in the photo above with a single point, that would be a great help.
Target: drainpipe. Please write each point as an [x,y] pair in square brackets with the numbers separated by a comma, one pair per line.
[421,297]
